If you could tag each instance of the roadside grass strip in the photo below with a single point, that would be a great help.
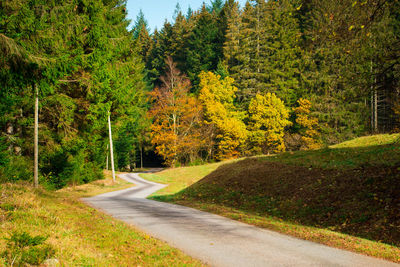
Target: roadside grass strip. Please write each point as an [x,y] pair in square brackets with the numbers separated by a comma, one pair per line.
[78,234]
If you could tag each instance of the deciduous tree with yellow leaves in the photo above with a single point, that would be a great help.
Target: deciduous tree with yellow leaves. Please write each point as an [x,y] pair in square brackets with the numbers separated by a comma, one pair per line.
[268,118]
[217,97]
[308,124]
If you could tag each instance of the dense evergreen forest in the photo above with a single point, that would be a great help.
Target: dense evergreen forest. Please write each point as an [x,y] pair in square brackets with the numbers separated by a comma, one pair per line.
[220,82]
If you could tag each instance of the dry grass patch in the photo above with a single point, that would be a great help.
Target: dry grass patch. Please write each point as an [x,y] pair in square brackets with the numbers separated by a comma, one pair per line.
[81,235]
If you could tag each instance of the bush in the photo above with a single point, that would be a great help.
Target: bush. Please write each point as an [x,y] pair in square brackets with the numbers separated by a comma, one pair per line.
[24,249]
[3,153]
[18,168]
[69,165]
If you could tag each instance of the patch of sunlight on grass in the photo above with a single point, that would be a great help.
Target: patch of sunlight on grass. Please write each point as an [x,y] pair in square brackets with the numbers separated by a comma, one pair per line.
[372,140]
[180,178]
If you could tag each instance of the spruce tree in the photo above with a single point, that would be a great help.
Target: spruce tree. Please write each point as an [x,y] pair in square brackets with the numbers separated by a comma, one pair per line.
[215,6]
[91,67]
[140,24]
[283,55]
[202,50]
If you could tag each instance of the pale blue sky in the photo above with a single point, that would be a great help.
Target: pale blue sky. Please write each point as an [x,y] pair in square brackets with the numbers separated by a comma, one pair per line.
[156,11]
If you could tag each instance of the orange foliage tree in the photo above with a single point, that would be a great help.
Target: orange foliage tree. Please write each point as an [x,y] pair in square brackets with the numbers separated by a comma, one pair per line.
[175,131]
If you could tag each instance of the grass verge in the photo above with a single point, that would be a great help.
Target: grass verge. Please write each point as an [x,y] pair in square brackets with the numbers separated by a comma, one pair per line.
[81,235]
[346,196]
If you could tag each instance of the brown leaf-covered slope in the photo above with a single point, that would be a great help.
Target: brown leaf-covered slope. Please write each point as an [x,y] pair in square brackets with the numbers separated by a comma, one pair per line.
[363,201]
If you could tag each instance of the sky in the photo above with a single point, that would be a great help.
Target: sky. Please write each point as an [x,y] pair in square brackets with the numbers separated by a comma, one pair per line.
[156,11]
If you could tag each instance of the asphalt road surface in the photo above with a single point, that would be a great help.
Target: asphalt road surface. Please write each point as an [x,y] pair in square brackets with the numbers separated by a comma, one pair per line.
[215,240]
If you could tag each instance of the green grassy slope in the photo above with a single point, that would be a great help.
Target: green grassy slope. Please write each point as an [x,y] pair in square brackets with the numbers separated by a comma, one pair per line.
[346,196]
[79,234]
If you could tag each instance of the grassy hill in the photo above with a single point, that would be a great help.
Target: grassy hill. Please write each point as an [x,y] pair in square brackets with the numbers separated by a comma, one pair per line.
[347,195]
[37,224]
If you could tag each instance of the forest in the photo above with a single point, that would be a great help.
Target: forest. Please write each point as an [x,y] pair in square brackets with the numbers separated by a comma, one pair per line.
[216,83]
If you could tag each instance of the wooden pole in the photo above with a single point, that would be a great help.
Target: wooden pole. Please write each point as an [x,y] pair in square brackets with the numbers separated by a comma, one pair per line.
[36,141]
[111,148]
[107,159]
[375,111]
[141,156]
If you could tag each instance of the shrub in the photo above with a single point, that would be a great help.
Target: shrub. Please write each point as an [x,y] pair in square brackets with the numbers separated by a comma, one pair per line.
[23,249]
[18,168]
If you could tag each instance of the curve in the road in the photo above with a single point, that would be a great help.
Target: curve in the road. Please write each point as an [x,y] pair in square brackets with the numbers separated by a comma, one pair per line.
[216,240]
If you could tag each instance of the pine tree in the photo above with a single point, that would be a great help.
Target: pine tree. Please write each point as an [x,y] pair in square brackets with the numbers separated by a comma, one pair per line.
[91,68]
[140,24]
[215,6]
[345,46]
[244,50]
[231,46]
[189,13]
[202,49]
[177,11]
[180,33]
[263,50]
[283,55]
[144,43]
[161,51]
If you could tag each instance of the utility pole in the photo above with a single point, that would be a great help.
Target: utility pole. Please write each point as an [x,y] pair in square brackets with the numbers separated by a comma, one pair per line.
[111,147]
[141,156]
[107,159]
[36,133]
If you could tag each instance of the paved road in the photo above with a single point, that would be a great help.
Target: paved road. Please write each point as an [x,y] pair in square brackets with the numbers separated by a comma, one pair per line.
[215,240]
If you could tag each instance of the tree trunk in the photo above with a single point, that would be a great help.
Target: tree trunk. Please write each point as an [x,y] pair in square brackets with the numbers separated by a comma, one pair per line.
[175,140]
[36,145]
[111,148]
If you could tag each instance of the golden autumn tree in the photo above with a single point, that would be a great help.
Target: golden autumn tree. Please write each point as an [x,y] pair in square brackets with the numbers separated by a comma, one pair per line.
[308,124]
[268,118]
[176,118]
[217,96]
